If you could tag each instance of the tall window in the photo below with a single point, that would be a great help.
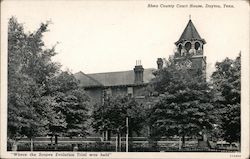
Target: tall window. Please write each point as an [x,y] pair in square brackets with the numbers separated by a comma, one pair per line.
[179,48]
[130,91]
[109,92]
[188,46]
[197,45]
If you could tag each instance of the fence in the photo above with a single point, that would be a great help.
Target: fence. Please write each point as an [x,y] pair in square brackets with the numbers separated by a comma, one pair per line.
[95,145]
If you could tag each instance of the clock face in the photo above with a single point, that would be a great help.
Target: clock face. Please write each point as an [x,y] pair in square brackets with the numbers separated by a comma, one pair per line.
[185,64]
[188,64]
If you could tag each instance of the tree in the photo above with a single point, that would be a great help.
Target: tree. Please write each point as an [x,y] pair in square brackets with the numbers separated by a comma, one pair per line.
[226,85]
[183,107]
[41,98]
[111,115]
[71,102]
[29,65]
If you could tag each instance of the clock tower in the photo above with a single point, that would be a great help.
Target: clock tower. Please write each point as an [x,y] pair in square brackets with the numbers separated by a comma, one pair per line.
[190,44]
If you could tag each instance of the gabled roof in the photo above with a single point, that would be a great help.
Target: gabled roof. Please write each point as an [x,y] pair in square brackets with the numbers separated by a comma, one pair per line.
[85,80]
[112,78]
[190,33]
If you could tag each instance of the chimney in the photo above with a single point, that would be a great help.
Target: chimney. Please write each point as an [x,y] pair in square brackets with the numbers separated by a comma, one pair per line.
[159,63]
[138,70]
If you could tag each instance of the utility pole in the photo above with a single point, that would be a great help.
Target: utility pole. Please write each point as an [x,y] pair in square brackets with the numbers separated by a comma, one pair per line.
[116,143]
[127,134]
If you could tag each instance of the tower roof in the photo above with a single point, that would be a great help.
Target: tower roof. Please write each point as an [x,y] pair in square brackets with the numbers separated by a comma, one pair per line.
[190,33]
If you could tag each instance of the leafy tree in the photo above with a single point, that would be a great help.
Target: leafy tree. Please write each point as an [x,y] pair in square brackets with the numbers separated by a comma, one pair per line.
[71,102]
[41,98]
[111,115]
[23,119]
[183,107]
[226,85]
[56,119]
[29,64]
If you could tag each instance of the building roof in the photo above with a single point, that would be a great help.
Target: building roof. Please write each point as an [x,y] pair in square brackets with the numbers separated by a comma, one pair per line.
[112,78]
[86,80]
[190,33]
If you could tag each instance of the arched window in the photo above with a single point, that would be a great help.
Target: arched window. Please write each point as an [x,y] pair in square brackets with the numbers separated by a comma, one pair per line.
[179,48]
[188,46]
[197,45]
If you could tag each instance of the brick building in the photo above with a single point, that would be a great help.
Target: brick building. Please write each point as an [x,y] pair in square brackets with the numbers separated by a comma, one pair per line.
[131,82]
[134,82]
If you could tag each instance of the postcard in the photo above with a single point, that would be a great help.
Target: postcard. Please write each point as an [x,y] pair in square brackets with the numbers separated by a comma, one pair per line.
[124,79]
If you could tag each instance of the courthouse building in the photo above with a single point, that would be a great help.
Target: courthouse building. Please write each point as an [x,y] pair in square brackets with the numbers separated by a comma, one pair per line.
[134,82]
[131,82]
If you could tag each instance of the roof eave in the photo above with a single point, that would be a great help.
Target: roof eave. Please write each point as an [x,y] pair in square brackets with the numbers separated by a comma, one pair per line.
[193,39]
[123,85]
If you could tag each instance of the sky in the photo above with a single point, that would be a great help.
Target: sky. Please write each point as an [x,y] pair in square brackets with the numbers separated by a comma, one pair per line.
[106,36]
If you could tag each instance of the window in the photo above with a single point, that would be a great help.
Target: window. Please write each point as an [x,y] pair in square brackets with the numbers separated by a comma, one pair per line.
[130,91]
[197,45]
[106,94]
[179,48]
[109,92]
[188,46]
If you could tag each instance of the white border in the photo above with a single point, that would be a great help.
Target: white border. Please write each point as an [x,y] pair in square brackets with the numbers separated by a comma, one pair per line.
[244,115]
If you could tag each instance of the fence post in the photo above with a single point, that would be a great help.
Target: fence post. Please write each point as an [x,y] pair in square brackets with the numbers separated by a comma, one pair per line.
[180,143]
[116,142]
[31,144]
[120,142]
[14,146]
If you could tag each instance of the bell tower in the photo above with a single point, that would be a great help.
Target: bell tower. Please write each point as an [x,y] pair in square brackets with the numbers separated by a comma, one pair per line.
[192,45]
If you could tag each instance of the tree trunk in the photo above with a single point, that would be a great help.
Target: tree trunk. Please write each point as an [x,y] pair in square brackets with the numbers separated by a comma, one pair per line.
[31,144]
[118,142]
[130,140]
[109,135]
[106,135]
[103,136]
[72,145]
[152,143]
[183,141]
[51,140]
